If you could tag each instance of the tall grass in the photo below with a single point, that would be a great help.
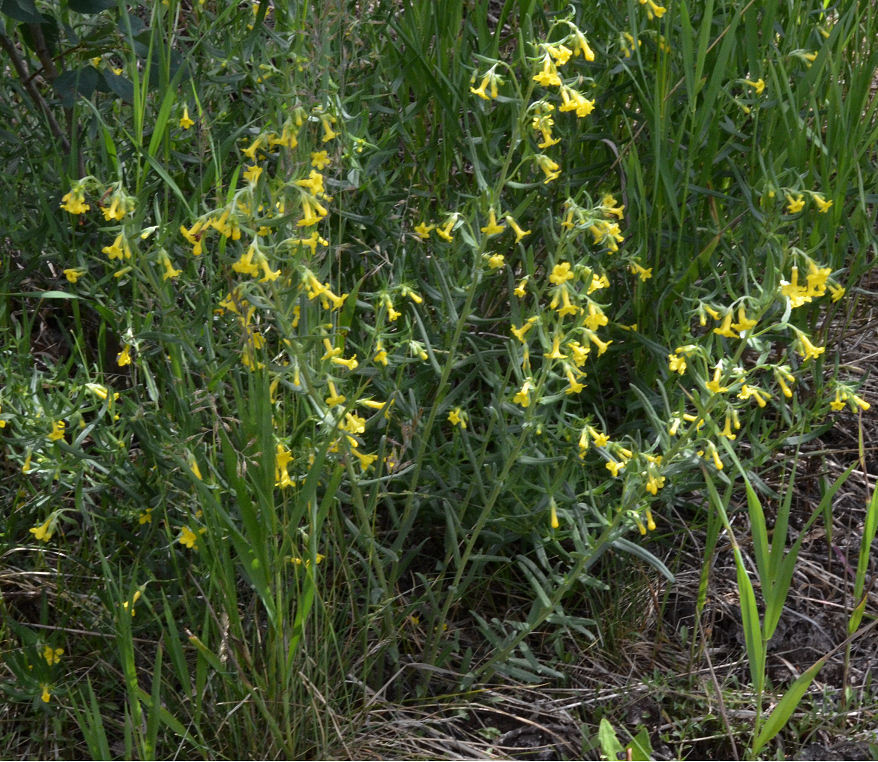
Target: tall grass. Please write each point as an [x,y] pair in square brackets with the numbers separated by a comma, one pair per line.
[361,330]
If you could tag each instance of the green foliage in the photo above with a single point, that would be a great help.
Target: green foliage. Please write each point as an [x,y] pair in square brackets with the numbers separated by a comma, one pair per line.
[334,332]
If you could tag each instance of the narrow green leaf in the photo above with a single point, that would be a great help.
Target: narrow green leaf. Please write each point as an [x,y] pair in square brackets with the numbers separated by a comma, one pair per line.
[786,706]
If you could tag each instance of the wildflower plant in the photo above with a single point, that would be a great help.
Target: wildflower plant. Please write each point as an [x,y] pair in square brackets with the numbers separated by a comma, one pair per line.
[326,361]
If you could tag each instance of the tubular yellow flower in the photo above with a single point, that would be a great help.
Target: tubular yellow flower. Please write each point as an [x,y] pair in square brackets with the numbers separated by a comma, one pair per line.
[52,655]
[73,274]
[422,230]
[457,417]
[251,174]
[549,75]
[334,397]
[445,231]
[520,288]
[677,364]
[522,397]
[727,429]
[726,328]
[553,516]
[744,323]
[758,85]
[124,357]
[795,205]
[492,228]
[74,201]
[555,353]
[561,273]
[185,121]
[519,233]
[645,273]
[550,168]
[598,437]
[496,261]
[380,354]
[713,386]
[653,10]
[57,432]
[44,531]
[823,205]
[806,348]
[188,538]
[614,467]
[170,271]
[319,159]
[581,46]
[45,696]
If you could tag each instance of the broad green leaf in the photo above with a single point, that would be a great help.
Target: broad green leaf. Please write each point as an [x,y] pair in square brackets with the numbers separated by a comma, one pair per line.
[610,746]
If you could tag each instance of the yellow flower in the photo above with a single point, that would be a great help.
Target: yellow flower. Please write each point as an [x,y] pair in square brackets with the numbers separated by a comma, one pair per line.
[422,230]
[73,274]
[614,467]
[44,531]
[553,516]
[495,261]
[251,174]
[145,517]
[522,396]
[194,235]
[727,429]
[185,121]
[561,273]
[490,80]
[124,357]
[718,464]
[170,271]
[57,432]
[334,397]
[836,292]
[555,353]
[748,391]
[52,655]
[457,418]
[550,168]
[74,201]
[187,537]
[319,159]
[492,228]
[598,437]
[129,605]
[726,328]
[653,10]
[581,46]
[744,323]
[445,231]
[282,459]
[348,362]
[838,402]
[549,75]
[677,364]
[806,348]
[45,695]
[519,233]
[119,249]
[193,467]
[713,386]
[758,85]
[328,132]
[520,288]
[645,273]
[795,205]
[380,354]
[822,204]
[653,485]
